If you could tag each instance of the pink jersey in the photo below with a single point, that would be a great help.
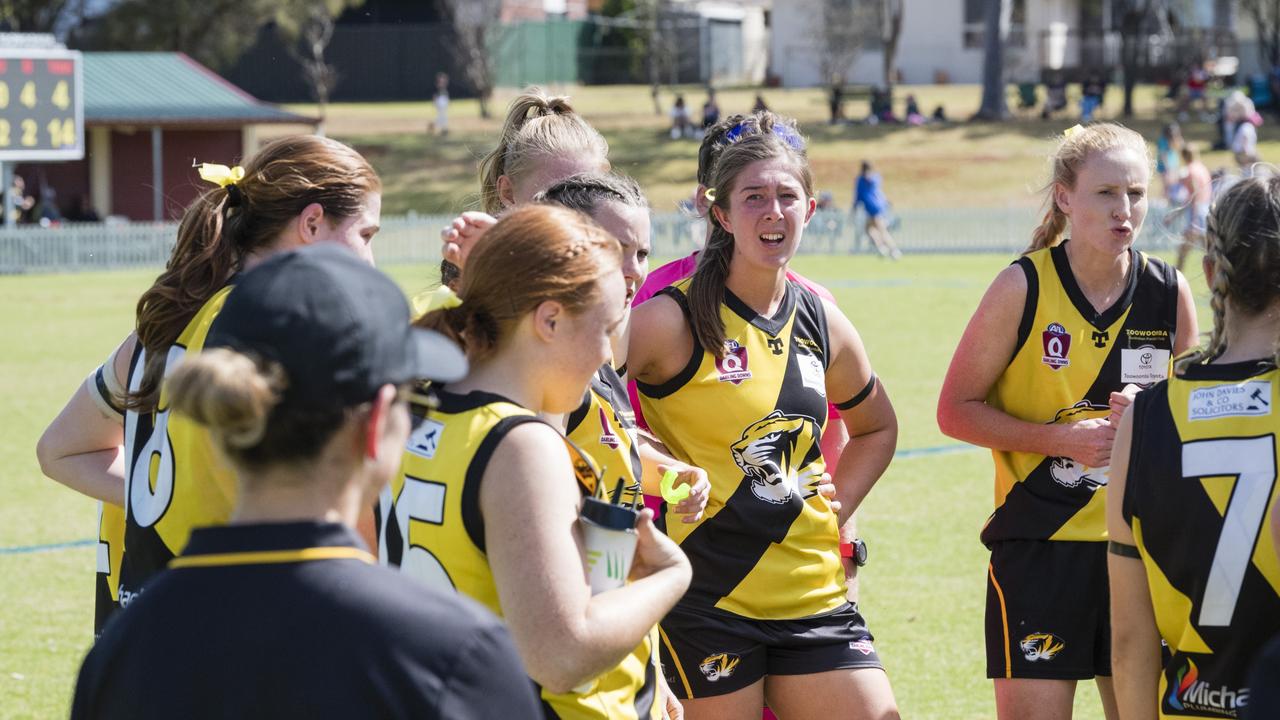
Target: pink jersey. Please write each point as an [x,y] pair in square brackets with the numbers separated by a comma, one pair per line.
[677,270]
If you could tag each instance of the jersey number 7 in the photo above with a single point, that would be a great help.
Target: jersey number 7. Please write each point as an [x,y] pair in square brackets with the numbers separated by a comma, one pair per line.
[1253,463]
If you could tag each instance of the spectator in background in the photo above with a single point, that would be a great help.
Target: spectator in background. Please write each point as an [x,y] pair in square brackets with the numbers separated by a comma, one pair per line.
[760,105]
[441,99]
[710,110]
[21,204]
[1169,163]
[680,123]
[1091,92]
[1197,82]
[81,211]
[1241,131]
[1055,95]
[836,100]
[1198,185]
[869,193]
[914,117]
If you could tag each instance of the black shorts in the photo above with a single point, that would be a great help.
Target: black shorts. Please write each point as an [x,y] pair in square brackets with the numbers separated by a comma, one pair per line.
[1048,612]
[705,654]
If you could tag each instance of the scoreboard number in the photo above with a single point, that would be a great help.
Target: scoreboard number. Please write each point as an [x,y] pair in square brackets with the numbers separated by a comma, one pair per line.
[41,105]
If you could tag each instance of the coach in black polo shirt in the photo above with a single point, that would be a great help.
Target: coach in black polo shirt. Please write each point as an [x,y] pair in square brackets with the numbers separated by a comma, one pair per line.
[284,613]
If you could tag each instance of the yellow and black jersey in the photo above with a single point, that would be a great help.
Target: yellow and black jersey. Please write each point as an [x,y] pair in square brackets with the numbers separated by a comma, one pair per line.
[767,547]
[1068,360]
[430,526]
[1199,496]
[604,428]
[106,391]
[174,481]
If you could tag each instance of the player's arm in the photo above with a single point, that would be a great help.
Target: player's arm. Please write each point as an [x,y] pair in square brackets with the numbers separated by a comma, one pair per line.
[1187,333]
[984,352]
[83,447]
[865,411]
[660,343]
[656,459]
[1135,639]
[564,634]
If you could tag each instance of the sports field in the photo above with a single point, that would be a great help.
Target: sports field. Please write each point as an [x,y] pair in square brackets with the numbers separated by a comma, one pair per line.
[923,590]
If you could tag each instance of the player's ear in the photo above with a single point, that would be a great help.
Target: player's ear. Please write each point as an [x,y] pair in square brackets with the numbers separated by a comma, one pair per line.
[546,317]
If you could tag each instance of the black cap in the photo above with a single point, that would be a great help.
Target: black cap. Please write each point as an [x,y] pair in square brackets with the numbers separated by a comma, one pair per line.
[608,515]
[338,327]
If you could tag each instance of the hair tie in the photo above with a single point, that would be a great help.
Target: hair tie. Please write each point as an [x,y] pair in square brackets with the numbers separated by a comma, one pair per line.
[1066,134]
[223,177]
[442,298]
[709,194]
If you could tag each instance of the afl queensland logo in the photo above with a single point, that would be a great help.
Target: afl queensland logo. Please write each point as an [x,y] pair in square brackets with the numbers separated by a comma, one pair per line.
[1057,343]
[733,366]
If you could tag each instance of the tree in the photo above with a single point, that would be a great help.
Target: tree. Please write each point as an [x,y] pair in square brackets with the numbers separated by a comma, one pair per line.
[40,16]
[841,27]
[1135,16]
[995,37]
[1266,19]
[306,26]
[213,32]
[472,22]
[890,31]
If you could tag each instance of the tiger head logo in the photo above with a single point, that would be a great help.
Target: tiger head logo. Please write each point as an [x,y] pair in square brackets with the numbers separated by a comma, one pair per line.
[1067,472]
[768,453]
[1041,646]
[719,666]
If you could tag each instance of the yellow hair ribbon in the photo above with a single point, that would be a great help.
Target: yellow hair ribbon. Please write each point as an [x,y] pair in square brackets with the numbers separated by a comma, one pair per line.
[1066,134]
[442,298]
[709,194]
[220,175]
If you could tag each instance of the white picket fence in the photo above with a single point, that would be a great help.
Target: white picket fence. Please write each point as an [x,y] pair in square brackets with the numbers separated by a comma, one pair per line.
[416,238]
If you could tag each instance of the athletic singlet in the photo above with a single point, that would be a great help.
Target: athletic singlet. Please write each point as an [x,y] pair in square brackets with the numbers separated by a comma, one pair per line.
[1067,362]
[604,428]
[767,546]
[110,516]
[174,480]
[1199,496]
[430,526]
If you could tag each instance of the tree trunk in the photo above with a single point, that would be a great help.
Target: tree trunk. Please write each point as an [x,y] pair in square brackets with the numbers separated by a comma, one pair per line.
[892,30]
[995,34]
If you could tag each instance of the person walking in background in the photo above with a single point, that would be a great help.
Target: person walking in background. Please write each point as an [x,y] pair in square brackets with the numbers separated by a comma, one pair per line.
[283,612]
[869,194]
[1198,185]
[441,100]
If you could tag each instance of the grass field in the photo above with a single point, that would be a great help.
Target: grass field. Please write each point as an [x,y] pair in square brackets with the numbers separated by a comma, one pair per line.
[958,164]
[923,590]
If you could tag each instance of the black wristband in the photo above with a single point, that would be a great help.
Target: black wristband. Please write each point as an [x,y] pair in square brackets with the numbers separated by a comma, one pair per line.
[856,400]
[1123,550]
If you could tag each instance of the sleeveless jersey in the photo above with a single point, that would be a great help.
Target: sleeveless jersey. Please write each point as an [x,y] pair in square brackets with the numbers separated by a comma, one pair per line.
[174,481]
[604,428]
[431,527]
[1067,362]
[1199,496]
[111,520]
[767,547]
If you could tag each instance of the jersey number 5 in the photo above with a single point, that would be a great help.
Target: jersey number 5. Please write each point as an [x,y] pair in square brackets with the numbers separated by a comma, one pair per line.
[1253,463]
[421,501]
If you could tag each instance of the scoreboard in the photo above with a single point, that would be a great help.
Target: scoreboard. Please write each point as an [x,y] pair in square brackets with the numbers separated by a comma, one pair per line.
[41,105]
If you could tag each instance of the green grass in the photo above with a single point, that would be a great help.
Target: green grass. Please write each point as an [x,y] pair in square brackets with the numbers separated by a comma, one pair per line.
[922,592]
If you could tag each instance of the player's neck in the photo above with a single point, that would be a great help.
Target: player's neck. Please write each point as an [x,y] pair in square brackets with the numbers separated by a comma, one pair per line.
[1100,276]
[325,489]
[503,377]
[762,289]
[1251,337]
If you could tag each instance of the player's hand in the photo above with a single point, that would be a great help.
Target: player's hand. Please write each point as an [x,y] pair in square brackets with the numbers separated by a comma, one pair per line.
[460,236]
[655,551]
[699,490]
[827,489]
[671,707]
[1119,401]
[1088,442]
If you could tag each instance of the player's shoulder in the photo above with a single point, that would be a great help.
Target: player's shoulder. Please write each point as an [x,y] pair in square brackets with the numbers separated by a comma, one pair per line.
[812,286]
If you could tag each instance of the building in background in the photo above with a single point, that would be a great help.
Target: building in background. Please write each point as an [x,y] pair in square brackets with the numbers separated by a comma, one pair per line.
[943,41]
